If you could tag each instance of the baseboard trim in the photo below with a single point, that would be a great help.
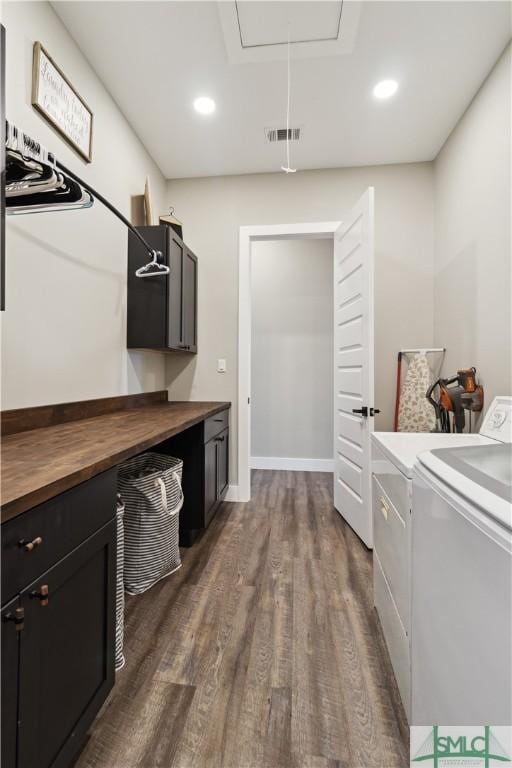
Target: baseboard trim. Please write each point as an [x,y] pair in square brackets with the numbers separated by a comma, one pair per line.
[233,493]
[293,465]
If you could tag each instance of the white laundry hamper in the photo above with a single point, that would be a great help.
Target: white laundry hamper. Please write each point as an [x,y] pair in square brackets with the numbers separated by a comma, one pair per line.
[150,487]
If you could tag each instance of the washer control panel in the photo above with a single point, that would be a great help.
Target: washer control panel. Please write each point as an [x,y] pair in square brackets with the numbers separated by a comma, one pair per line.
[497,424]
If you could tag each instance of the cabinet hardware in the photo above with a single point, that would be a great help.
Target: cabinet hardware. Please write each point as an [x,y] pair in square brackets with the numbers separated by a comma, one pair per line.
[220,439]
[18,617]
[219,420]
[373,411]
[43,594]
[28,546]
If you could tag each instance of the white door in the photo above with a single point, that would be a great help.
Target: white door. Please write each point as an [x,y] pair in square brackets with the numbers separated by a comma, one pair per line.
[353,366]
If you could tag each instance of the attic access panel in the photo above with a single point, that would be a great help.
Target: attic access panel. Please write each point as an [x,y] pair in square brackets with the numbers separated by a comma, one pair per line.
[262,24]
[256,31]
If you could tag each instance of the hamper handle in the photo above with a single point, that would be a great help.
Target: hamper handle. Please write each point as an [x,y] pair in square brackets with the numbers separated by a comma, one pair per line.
[163,491]
[182,496]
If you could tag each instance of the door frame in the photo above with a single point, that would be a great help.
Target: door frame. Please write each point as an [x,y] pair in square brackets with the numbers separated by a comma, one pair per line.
[320,230]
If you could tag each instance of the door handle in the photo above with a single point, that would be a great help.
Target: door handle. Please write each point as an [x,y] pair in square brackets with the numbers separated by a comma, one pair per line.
[365,411]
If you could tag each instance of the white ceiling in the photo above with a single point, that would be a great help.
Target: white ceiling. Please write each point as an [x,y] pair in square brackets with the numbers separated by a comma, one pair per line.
[156,57]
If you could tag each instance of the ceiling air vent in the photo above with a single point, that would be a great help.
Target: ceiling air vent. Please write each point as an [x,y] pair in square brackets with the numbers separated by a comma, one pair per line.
[279,134]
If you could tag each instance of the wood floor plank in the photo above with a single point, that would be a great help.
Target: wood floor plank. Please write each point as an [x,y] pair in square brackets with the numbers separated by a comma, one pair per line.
[263,651]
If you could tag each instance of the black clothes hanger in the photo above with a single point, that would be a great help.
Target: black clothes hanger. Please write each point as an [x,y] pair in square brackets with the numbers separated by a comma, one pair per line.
[36,182]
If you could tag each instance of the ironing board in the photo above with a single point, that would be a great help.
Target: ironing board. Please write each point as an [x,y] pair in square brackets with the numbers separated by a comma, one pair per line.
[415,413]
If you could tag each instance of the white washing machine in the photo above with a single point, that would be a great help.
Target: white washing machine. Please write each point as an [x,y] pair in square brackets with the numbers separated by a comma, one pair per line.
[461,622]
[394,455]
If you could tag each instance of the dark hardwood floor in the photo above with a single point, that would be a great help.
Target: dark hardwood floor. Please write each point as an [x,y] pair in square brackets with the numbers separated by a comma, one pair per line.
[263,651]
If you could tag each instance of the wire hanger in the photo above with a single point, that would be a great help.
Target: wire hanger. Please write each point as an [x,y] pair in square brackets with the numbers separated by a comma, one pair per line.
[153,267]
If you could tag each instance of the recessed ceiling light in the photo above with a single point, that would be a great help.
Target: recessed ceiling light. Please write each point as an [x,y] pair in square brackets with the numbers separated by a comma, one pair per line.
[204,105]
[385,89]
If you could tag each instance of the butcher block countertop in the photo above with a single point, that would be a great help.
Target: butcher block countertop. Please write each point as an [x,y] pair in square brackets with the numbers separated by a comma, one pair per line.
[40,463]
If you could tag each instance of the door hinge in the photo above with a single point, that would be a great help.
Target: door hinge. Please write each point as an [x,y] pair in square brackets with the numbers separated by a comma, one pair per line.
[18,617]
[248,400]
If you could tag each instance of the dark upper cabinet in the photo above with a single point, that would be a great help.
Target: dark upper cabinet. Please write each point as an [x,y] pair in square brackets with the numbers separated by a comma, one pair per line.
[189,300]
[162,310]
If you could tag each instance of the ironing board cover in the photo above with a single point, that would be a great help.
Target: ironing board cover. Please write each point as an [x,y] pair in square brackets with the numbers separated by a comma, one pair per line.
[415,412]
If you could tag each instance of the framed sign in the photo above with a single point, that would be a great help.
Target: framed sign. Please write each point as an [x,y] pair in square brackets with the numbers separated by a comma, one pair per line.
[56,99]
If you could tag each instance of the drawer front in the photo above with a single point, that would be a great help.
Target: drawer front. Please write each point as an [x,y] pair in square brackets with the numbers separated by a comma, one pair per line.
[392,543]
[396,640]
[55,527]
[396,485]
[215,424]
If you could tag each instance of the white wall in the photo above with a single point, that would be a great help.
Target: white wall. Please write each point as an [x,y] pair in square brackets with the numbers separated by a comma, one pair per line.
[212,211]
[472,316]
[292,349]
[64,329]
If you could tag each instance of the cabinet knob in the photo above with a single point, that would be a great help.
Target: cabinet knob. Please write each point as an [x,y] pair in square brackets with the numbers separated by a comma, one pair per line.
[18,617]
[28,546]
[42,594]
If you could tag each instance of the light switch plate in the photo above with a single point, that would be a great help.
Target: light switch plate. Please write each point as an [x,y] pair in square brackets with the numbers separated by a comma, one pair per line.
[221,365]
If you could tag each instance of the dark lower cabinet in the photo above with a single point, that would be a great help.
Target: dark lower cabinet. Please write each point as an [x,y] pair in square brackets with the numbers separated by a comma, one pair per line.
[210,478]
[12,624]
[67,652]
[204,449]
[223,463]
[216,472]
[58,663]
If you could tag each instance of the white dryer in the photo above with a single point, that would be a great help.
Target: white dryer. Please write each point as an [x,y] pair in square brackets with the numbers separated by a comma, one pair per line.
[461,622]
[394,455]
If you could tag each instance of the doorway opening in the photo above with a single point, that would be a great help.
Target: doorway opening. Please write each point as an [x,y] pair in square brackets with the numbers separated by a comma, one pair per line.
[292,283]
[249,236]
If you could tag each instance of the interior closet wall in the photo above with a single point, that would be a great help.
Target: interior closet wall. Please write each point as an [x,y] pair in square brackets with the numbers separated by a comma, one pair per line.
[212,211]
[292,353]
[473,239]
[64,329]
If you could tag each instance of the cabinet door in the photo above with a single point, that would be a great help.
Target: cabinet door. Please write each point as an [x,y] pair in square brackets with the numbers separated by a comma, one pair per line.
[222,463]
[176,335]
[67,652]
[189,294]
[10,650]
[210,478]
